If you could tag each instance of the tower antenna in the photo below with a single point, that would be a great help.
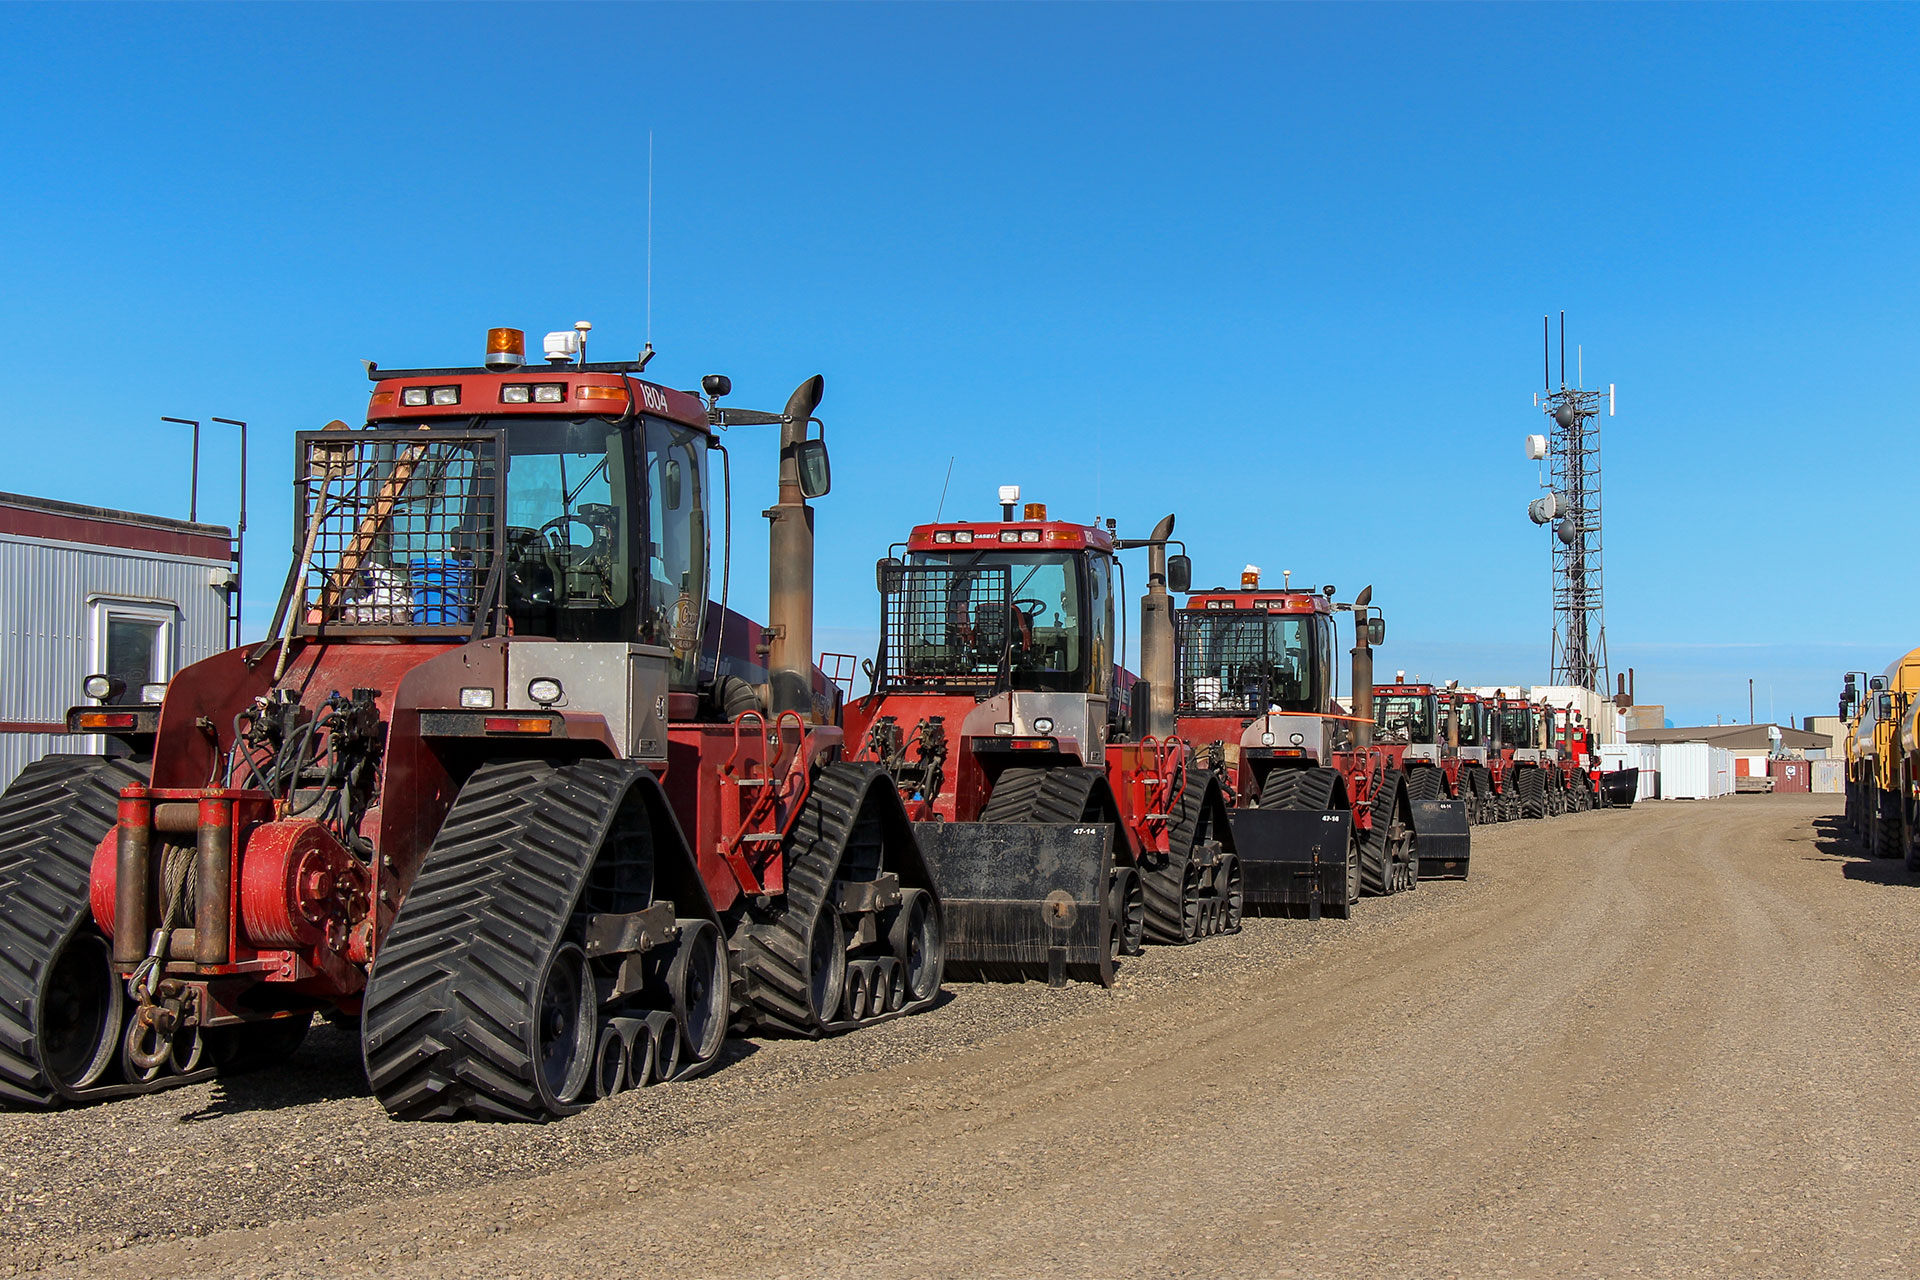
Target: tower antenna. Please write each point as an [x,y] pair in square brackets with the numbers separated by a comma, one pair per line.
[1571,511]
[649,338]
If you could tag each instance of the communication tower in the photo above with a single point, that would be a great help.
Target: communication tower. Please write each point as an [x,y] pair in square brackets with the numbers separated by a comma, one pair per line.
[1570,452]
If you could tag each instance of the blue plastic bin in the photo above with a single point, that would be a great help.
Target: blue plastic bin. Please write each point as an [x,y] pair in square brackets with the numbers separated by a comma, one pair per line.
[442,591]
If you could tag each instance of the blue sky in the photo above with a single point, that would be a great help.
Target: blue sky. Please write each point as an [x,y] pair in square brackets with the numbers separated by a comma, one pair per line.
[1280,270]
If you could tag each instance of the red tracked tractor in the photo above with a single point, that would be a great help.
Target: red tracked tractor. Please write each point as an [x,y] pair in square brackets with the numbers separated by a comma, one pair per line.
[1529,769]
[1578,762]
[1321,814]
[1467,723]
[1065,822]
[1413,724]
[440,802]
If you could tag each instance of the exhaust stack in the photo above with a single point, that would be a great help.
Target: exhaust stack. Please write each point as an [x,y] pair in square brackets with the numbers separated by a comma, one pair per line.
[1362,671]
[1156,635]
[790,566]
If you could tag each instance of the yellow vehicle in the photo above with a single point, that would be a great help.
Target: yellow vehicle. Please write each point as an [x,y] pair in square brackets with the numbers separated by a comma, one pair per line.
[1882,759]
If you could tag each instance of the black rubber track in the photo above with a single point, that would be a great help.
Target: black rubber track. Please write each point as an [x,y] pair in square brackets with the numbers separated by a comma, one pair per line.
[53,816]
[1531,785]
[1198,831]
[1379,876]
[1426,783]
[851,817]
[447,1026]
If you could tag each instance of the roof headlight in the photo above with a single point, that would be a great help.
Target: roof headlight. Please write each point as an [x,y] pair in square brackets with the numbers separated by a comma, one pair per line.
[446,395]
[515,393]
[943,537]
[550,393]
[1029,535]
[963,535]
[414,395]
[1009,535]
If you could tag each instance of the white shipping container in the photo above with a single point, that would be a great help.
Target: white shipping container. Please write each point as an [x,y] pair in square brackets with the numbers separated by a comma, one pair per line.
[1829,777]
[1686,771]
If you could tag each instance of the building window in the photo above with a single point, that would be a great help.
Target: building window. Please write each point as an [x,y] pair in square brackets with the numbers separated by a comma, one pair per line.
[134,643]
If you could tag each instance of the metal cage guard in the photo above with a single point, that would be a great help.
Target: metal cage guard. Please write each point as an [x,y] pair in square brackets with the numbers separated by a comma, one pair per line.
[401,530]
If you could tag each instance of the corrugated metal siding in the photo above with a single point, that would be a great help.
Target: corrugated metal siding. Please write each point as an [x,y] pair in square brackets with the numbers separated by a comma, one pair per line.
[46,590]
[1791,775]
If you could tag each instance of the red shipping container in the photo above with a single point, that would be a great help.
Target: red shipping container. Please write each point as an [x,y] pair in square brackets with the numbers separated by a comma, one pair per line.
[1790,775]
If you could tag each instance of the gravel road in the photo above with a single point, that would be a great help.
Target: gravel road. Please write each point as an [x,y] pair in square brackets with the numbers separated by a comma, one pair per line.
[1679,1040]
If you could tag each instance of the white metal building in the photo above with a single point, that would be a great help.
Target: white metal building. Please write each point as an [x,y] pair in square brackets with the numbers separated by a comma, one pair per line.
[86,590]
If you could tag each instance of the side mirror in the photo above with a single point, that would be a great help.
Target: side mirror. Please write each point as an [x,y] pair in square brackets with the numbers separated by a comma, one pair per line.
[1139,706]
[1877,683]
[1179,574]
[881,572]
[1376,631]
[810,460]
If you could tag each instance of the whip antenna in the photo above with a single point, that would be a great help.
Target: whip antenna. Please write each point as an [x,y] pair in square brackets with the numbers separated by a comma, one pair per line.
[943,491]
[649,337]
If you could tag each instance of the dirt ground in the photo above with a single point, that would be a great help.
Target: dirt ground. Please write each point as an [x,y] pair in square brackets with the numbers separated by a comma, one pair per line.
[1680,1040]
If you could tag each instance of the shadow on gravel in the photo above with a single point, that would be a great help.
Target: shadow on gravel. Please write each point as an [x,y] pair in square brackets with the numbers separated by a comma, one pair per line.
[329,1067]
[1834,841]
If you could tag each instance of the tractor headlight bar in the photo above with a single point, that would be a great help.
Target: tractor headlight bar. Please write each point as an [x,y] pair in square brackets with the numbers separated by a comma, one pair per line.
[430,395]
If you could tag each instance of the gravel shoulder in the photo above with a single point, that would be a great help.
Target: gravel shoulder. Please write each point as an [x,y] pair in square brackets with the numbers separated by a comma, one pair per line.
[1671,1041]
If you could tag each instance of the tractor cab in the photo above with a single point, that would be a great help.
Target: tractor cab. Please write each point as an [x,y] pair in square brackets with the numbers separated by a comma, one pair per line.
[1468,712]
[1517,725]
[1002,637]
[1256,676]
[1408,716]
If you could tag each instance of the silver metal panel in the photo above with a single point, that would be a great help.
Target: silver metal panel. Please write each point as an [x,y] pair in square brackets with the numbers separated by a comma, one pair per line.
[51,594]
[1074,715]
[1282,728]
[625,683]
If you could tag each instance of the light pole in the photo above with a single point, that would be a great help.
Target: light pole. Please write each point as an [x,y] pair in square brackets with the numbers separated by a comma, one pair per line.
[240,536]
[193,491]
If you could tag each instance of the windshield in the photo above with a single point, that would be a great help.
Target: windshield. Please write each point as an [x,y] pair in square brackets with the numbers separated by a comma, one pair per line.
[1247,663]
[959,624]
[1516,727]
[1404,717]
[606,532]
